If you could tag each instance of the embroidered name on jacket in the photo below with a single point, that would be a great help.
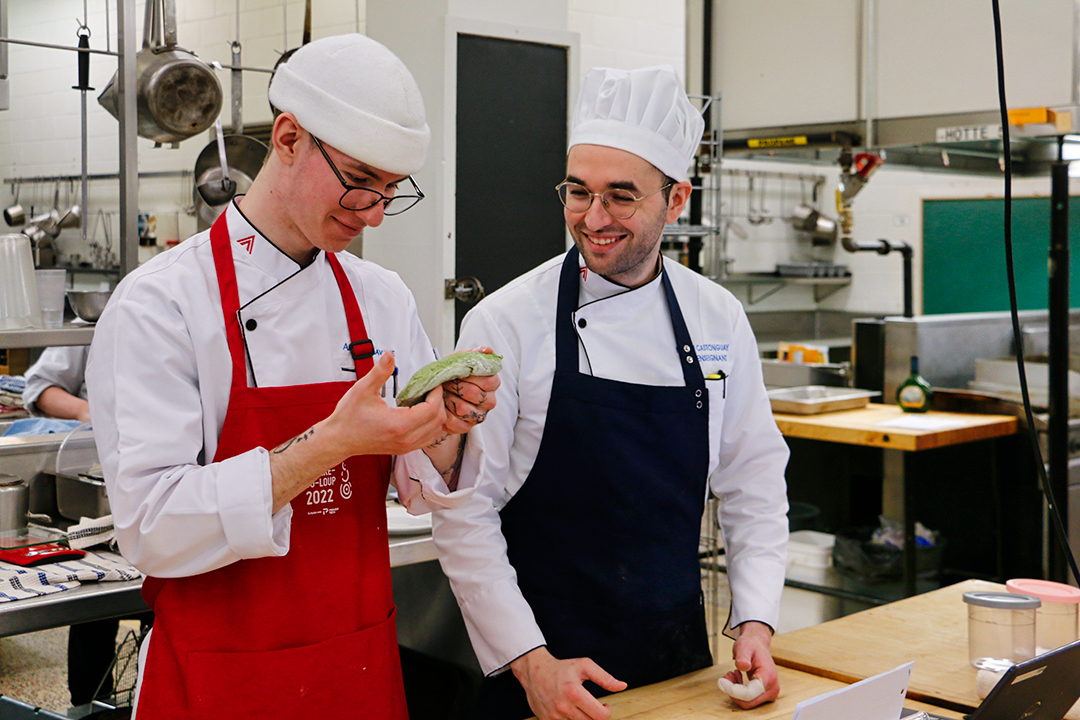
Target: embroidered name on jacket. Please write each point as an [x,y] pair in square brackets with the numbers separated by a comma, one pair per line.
[712,352]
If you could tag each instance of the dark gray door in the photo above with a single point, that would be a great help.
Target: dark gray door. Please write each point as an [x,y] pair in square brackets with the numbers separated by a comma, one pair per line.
[511,153]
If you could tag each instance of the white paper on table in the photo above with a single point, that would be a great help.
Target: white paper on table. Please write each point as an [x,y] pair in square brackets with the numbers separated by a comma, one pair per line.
[876,698]
[920,422]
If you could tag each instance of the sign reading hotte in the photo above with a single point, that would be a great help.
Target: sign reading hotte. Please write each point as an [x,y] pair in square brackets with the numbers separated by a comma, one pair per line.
[968,133]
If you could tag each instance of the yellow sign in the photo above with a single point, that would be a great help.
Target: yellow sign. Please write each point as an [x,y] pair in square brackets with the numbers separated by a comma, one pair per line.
[776,142]
[1029,116]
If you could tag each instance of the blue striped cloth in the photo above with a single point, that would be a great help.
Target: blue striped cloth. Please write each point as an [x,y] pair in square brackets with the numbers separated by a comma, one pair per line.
[17,583]
[14,384]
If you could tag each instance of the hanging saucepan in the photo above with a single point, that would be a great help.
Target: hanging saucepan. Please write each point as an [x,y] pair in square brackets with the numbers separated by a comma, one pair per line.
[244,156]
[178,95]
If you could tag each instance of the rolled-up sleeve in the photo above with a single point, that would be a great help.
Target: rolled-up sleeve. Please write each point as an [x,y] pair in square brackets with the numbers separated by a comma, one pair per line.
[469,538]
[176,512]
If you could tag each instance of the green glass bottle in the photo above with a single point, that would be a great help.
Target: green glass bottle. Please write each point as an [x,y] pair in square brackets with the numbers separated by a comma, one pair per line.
[914,394]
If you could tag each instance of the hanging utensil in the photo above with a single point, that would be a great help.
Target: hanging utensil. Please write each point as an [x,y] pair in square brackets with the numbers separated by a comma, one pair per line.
[15,214]
[219,191]
[178,94]
[236,93]
[83,86]
[244,157]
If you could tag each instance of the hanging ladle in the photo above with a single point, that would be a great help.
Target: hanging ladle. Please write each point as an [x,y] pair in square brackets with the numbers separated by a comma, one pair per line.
[219,192]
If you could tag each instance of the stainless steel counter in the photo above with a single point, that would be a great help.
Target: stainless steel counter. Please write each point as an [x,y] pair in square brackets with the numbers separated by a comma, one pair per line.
[98,601]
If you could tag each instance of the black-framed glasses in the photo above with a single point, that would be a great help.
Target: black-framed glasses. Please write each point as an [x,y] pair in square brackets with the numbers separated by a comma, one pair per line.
[618,203]
[361,198]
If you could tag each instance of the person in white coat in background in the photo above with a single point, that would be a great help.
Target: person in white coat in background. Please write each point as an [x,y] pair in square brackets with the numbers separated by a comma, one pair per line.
[631,387]
[242,387]
[56,384]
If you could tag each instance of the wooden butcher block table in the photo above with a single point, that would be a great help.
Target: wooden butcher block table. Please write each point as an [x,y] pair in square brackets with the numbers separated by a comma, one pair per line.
[695,697]
[930,629]
[861,427]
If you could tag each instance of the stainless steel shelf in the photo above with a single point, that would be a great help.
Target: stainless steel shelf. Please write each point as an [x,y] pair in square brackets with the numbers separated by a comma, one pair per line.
[823,286]
[69,334]
[96,601]
[674,230]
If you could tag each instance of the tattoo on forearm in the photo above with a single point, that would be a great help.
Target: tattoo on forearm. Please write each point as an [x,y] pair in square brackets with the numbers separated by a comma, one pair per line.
[452,473]
[289,443]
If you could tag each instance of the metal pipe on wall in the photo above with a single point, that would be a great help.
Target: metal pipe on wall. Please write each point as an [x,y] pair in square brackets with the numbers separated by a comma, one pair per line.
[1058,433]
[129,160]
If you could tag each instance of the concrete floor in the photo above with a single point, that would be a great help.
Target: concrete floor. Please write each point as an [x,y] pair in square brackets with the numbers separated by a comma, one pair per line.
[33,668]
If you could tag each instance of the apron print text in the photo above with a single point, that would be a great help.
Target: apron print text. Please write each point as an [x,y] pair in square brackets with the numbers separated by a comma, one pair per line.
[321,498]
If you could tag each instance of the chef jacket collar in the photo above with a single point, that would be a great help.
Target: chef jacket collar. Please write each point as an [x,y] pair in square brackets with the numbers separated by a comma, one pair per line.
[595,287]
[250,245]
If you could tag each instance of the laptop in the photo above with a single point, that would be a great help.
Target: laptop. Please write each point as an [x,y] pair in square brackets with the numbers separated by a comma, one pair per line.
[1043,688]
[876,698]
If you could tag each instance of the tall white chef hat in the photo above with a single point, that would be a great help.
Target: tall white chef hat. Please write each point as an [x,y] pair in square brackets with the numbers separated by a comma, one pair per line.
[354,94]
[645,112]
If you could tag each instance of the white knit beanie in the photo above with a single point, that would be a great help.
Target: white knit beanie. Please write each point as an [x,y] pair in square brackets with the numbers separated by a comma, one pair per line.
[354,94]
[645,112]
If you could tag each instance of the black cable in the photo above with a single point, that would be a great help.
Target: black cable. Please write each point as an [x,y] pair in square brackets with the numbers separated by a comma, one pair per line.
[1059,526]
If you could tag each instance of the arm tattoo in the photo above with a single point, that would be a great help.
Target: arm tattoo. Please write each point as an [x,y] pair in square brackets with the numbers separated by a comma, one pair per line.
[451,474]
[288,443]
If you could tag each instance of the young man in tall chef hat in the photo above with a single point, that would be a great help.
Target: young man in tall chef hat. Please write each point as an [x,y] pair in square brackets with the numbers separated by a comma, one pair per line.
[631,386]
[237,387]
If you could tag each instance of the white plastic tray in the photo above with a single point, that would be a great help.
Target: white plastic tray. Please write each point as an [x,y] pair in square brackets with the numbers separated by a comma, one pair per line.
[813,399]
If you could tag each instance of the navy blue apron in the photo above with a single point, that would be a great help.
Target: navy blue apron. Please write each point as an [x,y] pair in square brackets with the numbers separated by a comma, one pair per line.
[604,533]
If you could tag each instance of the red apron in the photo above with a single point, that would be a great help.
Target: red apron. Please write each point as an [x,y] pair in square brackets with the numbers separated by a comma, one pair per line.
[307,635]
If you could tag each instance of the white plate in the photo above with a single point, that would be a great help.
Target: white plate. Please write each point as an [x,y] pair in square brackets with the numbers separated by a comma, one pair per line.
[400,522]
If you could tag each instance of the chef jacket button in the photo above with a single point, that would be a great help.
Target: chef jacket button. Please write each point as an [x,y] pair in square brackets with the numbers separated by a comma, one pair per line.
[251,324]
[686,348]
[697,393]
[699,404]
[582,323]
[690,359]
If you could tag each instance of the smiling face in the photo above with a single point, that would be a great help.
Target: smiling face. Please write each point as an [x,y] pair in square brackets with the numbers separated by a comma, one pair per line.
[319,216]
[295,197]
[623,251]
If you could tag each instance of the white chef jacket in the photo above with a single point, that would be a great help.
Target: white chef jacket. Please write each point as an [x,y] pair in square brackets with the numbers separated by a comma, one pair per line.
[159,376]
[64,367]
[627,336]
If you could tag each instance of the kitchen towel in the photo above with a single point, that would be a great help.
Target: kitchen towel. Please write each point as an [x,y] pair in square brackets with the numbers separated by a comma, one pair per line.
[17,583]
[90,532]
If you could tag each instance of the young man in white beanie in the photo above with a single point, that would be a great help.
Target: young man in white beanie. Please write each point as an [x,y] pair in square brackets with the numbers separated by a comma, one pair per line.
[631,387]
[242,392]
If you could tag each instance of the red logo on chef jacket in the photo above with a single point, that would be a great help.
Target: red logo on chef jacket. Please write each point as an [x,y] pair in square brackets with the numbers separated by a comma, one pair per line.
[584,273]
[247,243]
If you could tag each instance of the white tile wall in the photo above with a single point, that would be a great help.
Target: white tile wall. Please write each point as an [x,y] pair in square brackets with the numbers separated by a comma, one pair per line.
[889,207]
[629,33]
[39,135]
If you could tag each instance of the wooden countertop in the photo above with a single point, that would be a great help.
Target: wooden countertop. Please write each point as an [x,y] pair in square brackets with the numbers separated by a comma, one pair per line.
[861,427]
[695,696]
[930,629]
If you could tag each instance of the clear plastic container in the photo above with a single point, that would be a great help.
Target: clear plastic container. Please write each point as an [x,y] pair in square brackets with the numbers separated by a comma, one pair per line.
[1001,628]
[1056,618]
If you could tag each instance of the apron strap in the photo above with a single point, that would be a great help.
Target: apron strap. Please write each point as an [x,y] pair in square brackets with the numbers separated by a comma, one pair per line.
[220,244]
[230,298]
[361,348]
[566,341]
[691,370]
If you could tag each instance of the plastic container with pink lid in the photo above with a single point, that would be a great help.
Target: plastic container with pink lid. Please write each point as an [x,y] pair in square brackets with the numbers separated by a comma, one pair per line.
[1056,618]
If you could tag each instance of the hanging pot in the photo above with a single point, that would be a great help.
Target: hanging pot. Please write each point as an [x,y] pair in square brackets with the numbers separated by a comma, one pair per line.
[178,95]
[244,157]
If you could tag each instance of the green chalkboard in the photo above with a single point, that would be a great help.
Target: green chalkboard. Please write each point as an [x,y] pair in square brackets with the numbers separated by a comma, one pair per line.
[964,254]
